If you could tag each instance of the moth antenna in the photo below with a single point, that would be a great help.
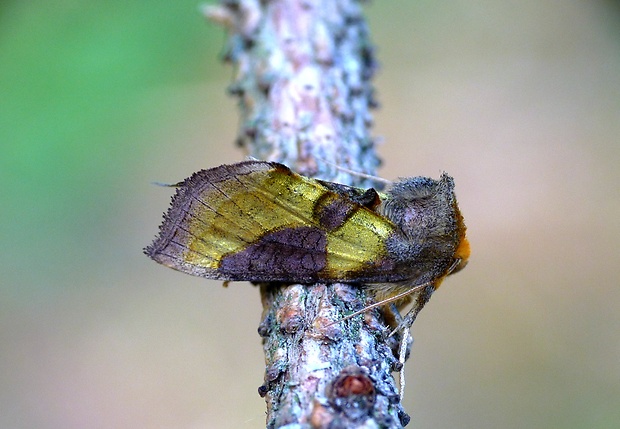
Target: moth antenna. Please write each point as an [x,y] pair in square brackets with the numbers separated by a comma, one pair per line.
[380,303]
[356,173]
[408,320]
[393,298]
[167,185]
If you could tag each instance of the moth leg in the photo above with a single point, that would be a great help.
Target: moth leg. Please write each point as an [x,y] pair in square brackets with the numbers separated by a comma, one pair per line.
[404,327]
[398,318]
[418,303]
[394,318]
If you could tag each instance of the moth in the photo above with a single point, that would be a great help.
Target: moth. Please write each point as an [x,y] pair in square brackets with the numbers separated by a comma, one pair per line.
[259,221]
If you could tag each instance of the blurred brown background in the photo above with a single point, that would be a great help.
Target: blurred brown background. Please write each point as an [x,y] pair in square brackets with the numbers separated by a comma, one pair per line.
[519,101]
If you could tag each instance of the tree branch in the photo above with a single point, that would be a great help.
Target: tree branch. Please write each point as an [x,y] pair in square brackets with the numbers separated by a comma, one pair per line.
[302,78]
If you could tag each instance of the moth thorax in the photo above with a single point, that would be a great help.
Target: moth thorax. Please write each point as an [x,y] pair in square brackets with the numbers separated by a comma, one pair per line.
[421,206]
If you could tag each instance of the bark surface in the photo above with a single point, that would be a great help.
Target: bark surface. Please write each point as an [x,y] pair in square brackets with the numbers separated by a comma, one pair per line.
[302,78]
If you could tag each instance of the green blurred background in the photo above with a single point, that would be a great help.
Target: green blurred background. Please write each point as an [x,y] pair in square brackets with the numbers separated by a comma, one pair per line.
[518,100]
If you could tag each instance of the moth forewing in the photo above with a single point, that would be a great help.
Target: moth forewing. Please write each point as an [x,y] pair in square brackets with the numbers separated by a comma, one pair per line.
[259,221]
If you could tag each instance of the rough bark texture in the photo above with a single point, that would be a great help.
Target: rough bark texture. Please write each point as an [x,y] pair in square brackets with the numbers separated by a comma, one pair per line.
[302,77]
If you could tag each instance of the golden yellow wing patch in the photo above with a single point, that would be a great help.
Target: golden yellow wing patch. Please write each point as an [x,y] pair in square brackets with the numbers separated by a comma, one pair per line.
[259,221]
